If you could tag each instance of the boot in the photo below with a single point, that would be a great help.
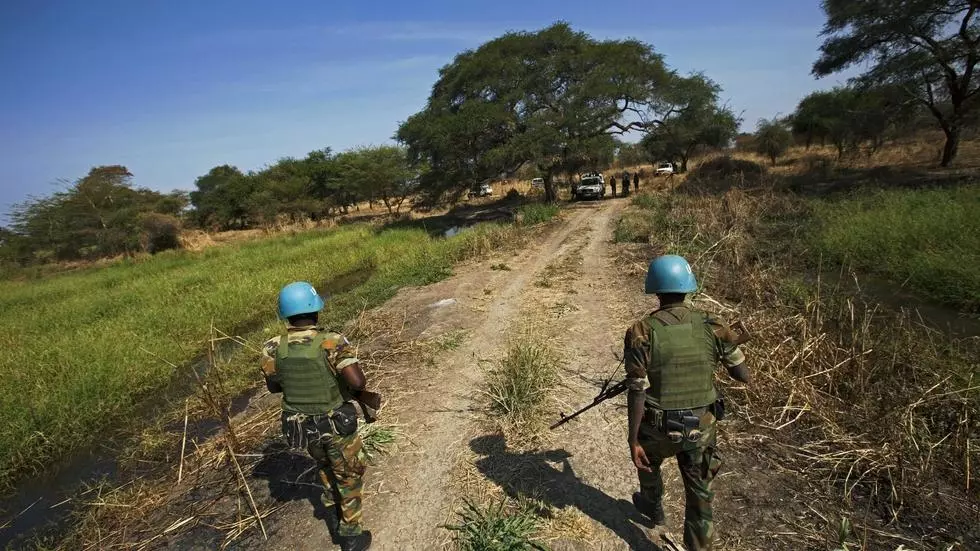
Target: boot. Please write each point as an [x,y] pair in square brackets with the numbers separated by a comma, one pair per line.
[360,542]
[649,509]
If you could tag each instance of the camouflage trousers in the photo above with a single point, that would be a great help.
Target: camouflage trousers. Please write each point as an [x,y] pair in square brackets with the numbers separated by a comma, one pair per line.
[699,463]
[342,467]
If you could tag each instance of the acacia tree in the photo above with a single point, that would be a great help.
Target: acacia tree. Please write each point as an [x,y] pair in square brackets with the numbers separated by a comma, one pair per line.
[221,199]
[683,117]
[772,139]
[929,49]
[100,214]
[527,97]
[849,117]
[378,173]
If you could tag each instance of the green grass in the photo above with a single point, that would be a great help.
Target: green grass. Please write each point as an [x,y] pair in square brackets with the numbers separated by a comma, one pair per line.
[79,348]
[378,440]
[496,528]
[928,240]
[519,385]
[537,213]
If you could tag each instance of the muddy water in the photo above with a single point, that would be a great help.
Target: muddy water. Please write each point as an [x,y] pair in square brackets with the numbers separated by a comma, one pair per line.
[42,504]
[896,298]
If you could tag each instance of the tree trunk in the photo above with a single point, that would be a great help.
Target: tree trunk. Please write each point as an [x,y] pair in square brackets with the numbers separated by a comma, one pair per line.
[550,193]
[951,146]
[684,164]
[773,159]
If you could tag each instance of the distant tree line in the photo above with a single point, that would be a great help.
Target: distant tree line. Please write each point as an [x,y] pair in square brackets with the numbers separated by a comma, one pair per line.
[103,214]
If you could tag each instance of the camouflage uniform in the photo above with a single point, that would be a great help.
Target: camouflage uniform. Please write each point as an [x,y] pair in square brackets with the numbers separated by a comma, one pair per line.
[698,461]
[341,458]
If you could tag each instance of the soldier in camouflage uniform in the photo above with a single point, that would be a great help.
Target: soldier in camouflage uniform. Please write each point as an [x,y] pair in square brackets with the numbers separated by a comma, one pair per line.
[318,374]
[670,360]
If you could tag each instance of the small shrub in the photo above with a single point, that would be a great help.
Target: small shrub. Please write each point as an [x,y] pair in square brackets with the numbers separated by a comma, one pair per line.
[537,213]
[160,232]
[634,227]
[495,529]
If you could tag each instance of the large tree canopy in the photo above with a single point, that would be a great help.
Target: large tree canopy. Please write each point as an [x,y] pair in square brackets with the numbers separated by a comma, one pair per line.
[927,48]
[527,97]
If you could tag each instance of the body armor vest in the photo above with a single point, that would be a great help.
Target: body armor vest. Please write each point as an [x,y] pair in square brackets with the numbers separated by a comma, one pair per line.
[309,385]
[682,362]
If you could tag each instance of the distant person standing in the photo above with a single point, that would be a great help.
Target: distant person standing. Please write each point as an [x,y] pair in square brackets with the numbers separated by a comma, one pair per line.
[636,181]
[612,184]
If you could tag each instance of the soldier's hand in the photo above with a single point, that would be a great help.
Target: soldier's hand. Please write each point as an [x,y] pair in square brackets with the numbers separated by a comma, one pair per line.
[640,458]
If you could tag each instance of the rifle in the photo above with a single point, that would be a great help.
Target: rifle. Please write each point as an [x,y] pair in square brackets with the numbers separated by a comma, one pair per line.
[370,404]
[606,393]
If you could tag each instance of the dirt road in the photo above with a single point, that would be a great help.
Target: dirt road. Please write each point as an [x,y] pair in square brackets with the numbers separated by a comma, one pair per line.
[567,290]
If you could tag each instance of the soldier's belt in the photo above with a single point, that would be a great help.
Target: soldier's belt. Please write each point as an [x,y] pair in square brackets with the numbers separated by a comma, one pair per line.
[677,424]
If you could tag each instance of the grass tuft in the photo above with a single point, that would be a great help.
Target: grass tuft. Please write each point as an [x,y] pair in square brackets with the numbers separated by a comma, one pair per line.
[451,340]
[520,384]
[496,528]
[537,213]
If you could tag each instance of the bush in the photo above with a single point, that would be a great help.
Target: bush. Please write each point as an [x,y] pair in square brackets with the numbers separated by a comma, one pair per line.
[537,213]
[723,173]
[160,232]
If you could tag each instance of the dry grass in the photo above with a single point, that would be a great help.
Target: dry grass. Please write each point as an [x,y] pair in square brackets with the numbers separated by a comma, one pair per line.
[870,400]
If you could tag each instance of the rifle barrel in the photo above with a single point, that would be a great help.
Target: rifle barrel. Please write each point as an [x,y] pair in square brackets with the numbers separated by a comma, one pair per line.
[611,392]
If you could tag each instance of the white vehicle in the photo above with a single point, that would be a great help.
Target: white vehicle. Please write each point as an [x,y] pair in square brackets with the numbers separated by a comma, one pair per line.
[537,182]
[592,186]
[482,190]
[664,169]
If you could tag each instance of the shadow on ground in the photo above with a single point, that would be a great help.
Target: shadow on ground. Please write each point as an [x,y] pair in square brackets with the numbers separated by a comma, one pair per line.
[462,216]
[533,475]
[292,476]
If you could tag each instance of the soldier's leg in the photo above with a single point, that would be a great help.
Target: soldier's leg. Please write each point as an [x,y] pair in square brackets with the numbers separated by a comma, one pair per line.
[698,468]
[657,449]
[346,464]
[318,452]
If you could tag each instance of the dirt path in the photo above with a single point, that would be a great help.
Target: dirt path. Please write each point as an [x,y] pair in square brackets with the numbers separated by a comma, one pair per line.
[436,406]
[569,290]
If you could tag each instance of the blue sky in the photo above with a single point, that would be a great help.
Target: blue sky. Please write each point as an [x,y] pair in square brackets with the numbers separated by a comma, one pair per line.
[172,88]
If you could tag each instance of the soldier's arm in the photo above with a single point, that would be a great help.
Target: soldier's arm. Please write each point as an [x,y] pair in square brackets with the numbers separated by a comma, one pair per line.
[636,350]
[729,354]
[343,359]
[269,367]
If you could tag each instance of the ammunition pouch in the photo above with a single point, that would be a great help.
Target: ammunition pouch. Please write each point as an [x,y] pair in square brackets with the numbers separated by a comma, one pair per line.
[678,424]
[300,429]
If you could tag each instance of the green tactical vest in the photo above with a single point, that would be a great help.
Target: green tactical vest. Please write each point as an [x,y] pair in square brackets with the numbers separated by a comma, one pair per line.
[308,384]
[682,363]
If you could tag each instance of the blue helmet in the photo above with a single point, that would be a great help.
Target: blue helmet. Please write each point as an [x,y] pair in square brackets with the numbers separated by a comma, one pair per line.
[670,274]
[297,298]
